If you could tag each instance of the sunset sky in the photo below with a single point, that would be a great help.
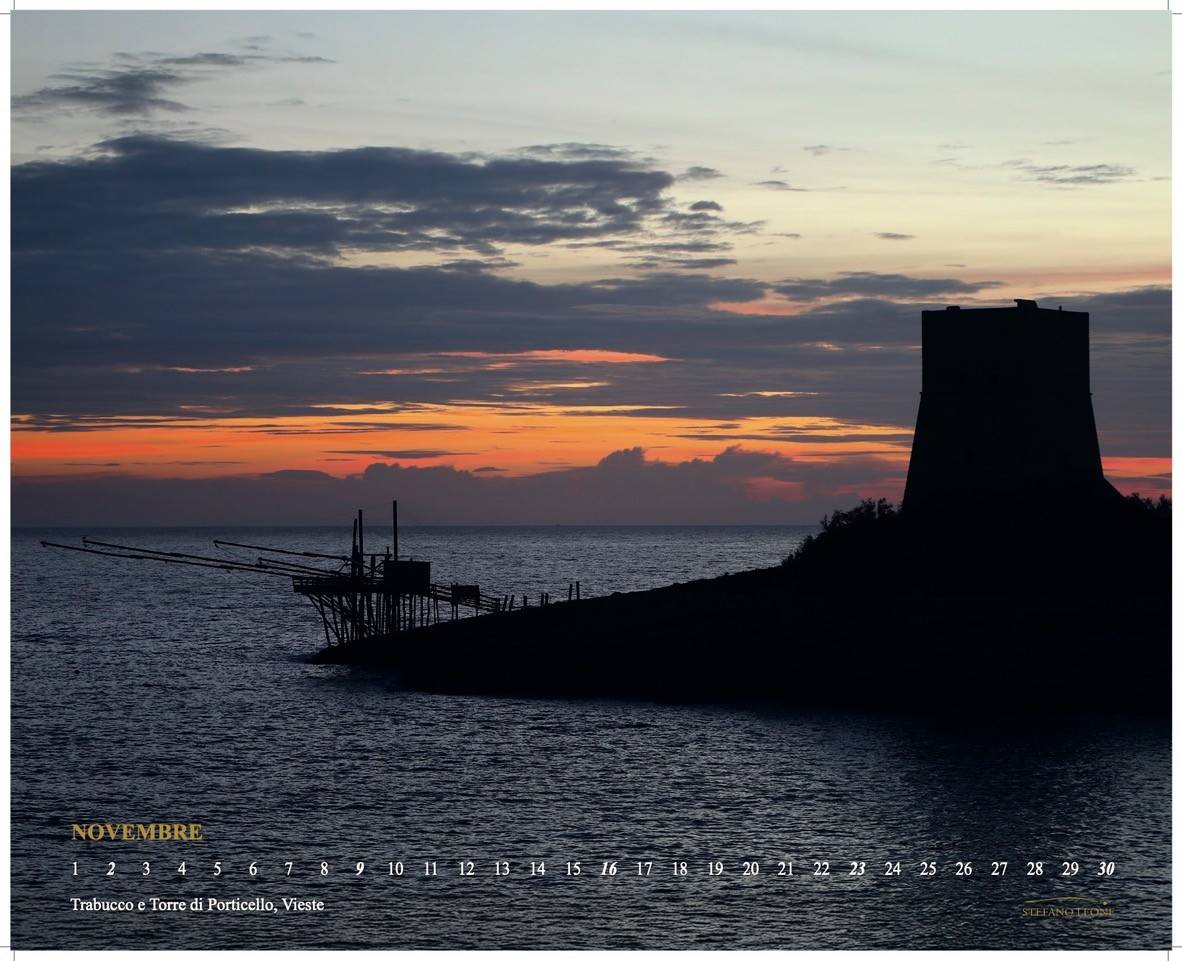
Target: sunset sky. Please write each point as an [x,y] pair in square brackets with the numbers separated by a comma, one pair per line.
[587,268]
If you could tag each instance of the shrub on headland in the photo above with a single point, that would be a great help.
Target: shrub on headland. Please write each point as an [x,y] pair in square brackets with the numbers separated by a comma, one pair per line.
[858,532]
[1059,545]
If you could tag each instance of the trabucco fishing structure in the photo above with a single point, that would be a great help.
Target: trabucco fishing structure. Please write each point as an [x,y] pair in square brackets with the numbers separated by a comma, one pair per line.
[363,599]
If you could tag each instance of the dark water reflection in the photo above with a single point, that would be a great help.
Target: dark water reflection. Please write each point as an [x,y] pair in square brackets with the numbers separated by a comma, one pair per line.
[140,695]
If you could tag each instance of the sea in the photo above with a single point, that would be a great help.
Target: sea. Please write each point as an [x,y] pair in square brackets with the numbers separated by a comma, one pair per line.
[389,818]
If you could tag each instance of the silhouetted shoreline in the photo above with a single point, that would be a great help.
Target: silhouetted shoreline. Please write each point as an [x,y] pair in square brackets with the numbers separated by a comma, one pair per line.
[989,615]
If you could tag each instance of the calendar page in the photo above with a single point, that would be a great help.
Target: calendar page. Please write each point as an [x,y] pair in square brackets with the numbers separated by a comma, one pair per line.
[615,479]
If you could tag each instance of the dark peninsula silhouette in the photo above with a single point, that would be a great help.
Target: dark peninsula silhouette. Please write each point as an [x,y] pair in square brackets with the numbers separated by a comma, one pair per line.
[1013,579]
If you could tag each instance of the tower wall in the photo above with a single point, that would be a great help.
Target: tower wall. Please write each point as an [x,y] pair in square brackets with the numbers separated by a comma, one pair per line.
[1005,412]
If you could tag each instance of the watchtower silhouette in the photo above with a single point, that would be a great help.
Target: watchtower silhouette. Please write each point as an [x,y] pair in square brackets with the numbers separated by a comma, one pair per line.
[1005,414]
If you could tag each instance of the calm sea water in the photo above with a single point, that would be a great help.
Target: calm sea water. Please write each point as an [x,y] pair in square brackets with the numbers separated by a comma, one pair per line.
[161,693]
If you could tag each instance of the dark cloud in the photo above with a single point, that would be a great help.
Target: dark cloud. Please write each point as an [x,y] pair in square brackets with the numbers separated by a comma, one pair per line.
[578,151]
[1140,311]
[700,173]
[800,436]
[287,476]
[699,205]
[685,263]
[399,454]
[779,185]
[821,149]
[190,312]
[146,193]
[119,91]
[151,193]
[353,426]
[472,265]
[226,60]
[705,222]
[864,283]
[139,83]
[888,235]
[1074,175]
[674,246]
[82,421]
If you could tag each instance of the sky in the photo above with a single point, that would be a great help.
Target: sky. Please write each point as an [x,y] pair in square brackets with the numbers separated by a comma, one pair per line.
[557,267]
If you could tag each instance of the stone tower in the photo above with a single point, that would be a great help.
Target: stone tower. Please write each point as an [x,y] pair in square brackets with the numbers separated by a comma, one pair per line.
[1005,415]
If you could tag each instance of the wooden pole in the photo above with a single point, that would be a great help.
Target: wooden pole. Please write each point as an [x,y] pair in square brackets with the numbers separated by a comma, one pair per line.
[395,530]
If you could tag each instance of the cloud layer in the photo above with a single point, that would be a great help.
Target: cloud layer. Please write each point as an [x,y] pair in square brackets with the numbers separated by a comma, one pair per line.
[625,487]
[188,280]
[170,278]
